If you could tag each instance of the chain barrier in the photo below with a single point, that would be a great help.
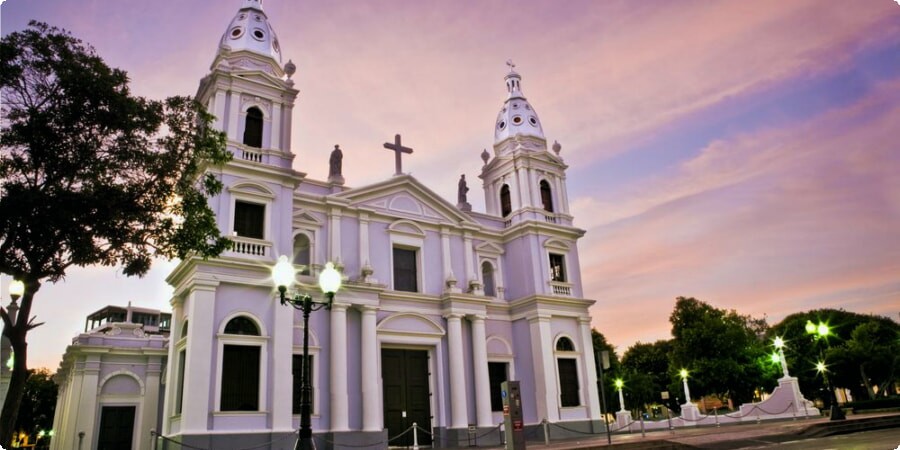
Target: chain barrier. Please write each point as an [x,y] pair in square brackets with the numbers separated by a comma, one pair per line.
[757,408]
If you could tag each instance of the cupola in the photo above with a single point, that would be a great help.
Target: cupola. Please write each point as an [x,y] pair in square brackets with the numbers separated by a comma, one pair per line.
[250,30]
[517,117]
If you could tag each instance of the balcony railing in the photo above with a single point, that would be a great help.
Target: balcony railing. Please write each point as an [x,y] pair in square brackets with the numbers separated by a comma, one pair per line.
[250,246]
[561,288]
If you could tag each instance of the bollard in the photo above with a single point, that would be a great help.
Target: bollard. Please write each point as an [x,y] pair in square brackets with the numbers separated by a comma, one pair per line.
[415,437]
[546,431]
[80,439]
[643,433]
[716,412]
[153,438]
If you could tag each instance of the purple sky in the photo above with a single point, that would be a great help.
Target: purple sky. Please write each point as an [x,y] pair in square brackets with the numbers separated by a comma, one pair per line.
[744,153]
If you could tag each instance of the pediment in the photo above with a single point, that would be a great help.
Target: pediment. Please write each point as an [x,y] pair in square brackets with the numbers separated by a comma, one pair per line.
[489,248]
[410,323]
[303,216]
[405,197]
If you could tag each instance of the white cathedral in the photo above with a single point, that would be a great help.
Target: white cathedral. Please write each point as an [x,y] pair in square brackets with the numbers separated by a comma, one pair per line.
[439,303]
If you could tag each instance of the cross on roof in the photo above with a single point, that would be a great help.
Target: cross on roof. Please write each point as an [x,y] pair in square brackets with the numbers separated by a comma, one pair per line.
[512,66]
[398,149]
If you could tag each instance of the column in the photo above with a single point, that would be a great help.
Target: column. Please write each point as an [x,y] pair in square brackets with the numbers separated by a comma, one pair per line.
[563,195]
[364,239]
[234,113]
[151,394]
[87,403]
[470,257]
[446,262]
[334,236]
[547,393]
[458,407]
[371,397]
[339,403]
[276,127]
[286,128]
[281,365]
[590,367]
[482,377]
[171,374]
[198,373]
[219,110]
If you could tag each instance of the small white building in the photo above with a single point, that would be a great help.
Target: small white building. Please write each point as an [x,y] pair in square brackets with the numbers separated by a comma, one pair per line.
[111,381]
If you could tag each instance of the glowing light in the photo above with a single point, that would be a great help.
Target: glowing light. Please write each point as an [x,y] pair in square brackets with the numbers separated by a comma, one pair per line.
[820,367]
[283,272]
[775,358]
[779,342]
[810,327]
[683,373]
[823,329]
[619,384]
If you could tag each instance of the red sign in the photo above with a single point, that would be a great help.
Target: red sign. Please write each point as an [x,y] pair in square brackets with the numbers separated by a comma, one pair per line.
[517,425]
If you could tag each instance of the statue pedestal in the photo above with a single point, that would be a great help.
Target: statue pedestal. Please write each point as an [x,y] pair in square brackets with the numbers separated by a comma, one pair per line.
[690,414]
[623,419]
[465,206]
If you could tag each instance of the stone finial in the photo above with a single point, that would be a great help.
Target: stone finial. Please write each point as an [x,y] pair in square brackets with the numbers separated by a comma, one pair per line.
[290,68]
[556,147]
[485,156]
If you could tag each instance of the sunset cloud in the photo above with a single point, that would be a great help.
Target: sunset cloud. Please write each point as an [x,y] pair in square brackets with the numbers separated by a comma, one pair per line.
[744,153]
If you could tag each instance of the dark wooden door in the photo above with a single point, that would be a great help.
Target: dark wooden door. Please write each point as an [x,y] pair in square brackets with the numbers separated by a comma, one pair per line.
[404,375]
[116,428]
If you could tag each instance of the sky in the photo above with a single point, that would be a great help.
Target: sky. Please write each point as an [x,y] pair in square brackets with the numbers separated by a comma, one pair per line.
[743,153]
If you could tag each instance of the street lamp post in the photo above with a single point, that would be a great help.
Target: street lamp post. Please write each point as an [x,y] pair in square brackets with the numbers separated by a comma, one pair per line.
[329,282]
[821,331]
[619,385]
[779,344]
[687,392]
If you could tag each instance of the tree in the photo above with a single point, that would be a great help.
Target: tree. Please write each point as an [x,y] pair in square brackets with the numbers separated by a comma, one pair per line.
[724,352]
[600,345]
[646,367]
[93,175]
[38,403]
[861,351]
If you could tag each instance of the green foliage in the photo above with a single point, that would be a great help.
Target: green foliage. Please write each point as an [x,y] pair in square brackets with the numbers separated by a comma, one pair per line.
[646,367]
[89,170]
[600,344]
[861,351]
[93,175]
[723,351]
[38,403]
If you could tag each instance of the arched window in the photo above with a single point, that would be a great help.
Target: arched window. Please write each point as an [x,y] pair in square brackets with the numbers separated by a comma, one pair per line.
[546,196]
[567,369]
[242,325]
[565,344]
[240,368]
[302,253]
[505,203]
[253,128]
[487,276]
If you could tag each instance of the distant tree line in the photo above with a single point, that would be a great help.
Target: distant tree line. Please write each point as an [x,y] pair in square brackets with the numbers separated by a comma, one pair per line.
[730,356]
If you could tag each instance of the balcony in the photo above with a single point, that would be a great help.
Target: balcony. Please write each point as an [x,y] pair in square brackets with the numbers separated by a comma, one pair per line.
[249,246]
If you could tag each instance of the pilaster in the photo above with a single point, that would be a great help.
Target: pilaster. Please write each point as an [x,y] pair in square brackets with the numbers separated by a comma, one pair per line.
[458,406]
[372,407]
[482,377]
[546,391]
[339,400]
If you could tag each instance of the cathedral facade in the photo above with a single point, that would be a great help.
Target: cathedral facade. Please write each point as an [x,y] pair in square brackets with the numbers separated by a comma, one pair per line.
[439,303]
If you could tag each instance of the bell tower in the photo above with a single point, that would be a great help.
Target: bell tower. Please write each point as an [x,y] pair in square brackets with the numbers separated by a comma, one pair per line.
[523,180]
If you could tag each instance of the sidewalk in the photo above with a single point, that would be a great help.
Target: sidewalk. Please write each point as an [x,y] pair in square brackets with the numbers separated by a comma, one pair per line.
[711,437]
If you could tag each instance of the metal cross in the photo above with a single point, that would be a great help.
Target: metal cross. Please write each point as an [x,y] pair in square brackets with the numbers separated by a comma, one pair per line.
[398,149]
[511,65]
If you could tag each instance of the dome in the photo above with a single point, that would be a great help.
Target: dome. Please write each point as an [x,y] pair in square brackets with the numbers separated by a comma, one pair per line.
[250,30]
[517,117]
